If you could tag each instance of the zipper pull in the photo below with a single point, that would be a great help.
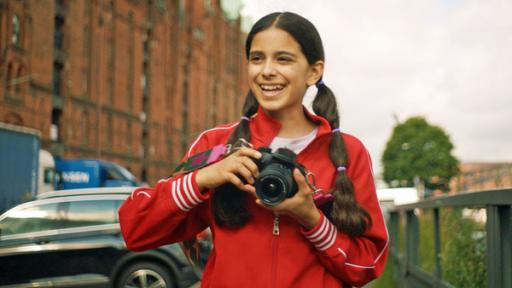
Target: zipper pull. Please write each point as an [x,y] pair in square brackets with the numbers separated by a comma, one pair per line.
[275,231]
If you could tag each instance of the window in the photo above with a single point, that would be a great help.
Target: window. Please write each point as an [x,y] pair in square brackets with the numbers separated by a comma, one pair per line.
[49,176]
[18,82]
[9,75]
[55,134]
[31,219]
[91,212]
[58,34]
[15,38]
[57,79]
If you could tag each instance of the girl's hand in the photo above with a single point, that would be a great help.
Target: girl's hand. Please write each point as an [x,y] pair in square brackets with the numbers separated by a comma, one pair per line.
[301,206]
[231,169]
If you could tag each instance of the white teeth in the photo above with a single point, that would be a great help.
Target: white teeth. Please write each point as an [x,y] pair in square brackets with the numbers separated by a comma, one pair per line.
[272,87]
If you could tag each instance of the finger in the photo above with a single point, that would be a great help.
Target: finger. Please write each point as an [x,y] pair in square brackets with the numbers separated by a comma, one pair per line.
[249,164]
[251,190]
[245,173]
[301,181]
[233,179]
[245,151]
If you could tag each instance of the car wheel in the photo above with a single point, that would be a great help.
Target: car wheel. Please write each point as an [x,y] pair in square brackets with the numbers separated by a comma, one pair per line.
[144,275]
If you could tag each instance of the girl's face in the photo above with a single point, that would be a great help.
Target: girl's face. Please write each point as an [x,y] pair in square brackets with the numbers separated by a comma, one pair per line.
[279,73]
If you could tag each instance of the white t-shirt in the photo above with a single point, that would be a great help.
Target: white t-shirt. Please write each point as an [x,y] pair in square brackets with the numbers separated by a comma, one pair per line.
[294,144]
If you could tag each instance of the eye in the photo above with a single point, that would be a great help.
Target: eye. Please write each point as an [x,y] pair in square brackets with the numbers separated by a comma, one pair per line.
[255,58]
[284,59]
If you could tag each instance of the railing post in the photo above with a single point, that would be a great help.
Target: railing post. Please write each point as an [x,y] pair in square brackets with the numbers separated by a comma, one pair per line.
[411,244]
[499,246]
[394,231]
[437,248]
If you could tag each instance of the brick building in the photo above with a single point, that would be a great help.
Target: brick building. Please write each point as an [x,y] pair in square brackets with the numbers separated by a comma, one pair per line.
[130,81]
[482,176]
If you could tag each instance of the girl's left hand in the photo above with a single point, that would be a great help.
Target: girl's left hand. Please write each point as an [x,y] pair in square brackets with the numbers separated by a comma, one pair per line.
[301,206]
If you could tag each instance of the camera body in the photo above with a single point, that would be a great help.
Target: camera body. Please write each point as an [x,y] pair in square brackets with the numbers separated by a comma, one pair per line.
[275,182]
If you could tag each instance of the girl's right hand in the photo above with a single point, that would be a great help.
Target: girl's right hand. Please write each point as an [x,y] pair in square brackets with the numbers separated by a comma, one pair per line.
[230,169]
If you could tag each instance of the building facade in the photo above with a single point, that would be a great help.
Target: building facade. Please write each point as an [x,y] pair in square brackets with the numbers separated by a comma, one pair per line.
[129,81]
[477,176]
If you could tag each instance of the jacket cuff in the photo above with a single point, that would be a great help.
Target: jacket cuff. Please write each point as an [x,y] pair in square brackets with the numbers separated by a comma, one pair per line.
[323,235]
[185,192]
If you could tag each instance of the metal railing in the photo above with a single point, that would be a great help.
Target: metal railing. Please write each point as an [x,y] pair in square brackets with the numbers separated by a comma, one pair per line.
[498,231]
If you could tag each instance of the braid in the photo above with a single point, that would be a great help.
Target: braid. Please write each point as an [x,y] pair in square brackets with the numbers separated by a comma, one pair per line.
[346,214]
[242,130]
[229,202]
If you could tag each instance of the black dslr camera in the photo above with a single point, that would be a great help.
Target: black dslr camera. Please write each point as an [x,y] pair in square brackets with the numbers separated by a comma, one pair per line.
[275,182]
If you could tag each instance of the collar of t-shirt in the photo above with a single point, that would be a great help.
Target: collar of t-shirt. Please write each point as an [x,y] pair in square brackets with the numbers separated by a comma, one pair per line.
[294,144]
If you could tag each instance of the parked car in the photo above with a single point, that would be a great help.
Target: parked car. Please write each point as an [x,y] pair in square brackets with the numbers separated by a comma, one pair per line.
[72,238]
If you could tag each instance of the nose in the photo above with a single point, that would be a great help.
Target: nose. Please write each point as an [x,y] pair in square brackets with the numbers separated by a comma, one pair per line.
[268,69]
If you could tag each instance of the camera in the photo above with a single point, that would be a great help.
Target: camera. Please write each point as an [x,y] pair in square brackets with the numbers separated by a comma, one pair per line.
[275,182]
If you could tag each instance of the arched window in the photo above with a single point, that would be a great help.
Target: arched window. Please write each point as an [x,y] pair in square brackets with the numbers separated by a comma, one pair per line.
[9,76]
[16,30]
[19,81]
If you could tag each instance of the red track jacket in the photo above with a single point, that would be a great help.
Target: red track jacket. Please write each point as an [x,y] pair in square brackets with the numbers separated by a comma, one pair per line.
[254,256]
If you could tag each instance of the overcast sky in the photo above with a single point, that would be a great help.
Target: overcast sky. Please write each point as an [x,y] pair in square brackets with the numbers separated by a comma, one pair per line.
[448,60]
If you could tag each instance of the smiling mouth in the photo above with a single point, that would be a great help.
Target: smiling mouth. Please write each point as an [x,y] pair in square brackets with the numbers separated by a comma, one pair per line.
[271,90]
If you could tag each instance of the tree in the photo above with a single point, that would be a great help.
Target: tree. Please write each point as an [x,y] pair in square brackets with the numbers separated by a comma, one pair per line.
[419,150]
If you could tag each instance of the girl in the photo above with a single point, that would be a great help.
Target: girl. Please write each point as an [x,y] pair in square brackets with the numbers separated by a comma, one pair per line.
[334,236]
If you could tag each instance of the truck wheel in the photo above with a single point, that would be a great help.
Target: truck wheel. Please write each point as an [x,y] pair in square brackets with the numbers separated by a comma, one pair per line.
[143,275]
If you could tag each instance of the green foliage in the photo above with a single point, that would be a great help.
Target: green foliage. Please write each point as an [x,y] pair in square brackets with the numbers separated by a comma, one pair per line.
[385,280]
[464,250]
[426,245]
[418,149]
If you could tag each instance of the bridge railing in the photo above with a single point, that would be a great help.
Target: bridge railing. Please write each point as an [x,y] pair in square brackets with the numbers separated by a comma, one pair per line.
[496,237]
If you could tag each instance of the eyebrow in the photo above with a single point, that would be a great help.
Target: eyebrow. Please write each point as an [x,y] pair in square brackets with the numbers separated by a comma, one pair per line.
[278,53]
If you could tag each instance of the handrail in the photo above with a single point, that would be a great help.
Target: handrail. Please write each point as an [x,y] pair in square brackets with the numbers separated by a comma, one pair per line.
[486,197]
[498,205]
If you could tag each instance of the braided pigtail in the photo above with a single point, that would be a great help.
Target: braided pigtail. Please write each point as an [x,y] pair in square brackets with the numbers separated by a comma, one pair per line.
[229,202]
[345,213]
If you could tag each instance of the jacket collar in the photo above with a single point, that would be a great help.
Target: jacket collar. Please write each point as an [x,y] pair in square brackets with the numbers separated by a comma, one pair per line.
[264,128]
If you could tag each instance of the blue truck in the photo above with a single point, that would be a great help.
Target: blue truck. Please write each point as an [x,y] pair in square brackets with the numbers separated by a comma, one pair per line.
[85,173]
[19,164]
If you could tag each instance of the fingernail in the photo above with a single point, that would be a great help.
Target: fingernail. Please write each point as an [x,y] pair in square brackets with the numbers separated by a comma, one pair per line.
[258,154]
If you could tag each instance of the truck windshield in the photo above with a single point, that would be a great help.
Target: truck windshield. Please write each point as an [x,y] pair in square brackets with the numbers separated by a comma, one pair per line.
[116,172]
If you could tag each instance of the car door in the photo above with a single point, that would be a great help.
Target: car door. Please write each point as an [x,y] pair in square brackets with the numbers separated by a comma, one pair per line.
[89,241]
[26,233]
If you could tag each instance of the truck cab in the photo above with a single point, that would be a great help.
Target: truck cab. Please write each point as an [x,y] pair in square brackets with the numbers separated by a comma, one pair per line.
[82,173]
[46,174]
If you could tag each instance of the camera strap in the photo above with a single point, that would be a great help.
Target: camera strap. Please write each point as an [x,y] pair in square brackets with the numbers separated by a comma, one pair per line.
[319,196]
[202,159]
[205,158]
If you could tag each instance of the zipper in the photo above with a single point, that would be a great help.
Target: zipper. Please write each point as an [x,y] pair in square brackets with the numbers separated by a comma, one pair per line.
[275,230]
[275,243]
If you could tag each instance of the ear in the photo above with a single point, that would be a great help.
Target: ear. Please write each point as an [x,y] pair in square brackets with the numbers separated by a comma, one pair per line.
[316,71]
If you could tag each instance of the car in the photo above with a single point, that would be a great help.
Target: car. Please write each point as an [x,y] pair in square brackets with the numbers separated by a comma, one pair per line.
[72,238]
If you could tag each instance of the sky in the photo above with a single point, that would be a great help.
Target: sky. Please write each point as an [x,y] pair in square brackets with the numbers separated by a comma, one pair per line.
[449,61]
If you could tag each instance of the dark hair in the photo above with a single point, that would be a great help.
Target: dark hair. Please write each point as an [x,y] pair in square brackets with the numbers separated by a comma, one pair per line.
[229,203]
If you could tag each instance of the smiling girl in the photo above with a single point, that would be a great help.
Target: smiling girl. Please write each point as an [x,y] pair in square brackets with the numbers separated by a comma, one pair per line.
[330,234]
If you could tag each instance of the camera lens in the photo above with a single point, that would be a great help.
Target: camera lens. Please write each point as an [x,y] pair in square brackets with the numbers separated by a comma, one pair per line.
[272,187]
[274,184]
